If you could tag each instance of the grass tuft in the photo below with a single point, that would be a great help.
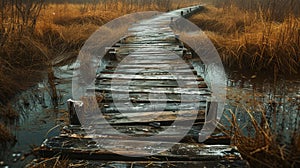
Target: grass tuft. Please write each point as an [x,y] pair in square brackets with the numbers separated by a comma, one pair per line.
[261,148]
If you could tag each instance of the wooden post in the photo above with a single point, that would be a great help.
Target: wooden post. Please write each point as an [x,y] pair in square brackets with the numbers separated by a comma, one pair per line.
[177,37]
[111,52]
[73,118]
[181,45]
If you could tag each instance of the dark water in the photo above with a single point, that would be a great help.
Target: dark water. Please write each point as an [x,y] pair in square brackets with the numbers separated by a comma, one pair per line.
[39,118]
[279,100]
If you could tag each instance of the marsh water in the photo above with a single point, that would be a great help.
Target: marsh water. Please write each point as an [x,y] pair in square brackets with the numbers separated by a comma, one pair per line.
[40,119]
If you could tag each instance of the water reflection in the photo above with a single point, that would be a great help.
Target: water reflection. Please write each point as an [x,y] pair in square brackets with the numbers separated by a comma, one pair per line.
[279,101]
[37,117]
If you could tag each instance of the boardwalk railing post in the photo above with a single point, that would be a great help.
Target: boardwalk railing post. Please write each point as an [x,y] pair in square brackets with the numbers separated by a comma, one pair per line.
[73,118]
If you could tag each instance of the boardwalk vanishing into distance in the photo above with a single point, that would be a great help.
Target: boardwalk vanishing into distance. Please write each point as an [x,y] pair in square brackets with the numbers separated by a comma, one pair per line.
[140,92]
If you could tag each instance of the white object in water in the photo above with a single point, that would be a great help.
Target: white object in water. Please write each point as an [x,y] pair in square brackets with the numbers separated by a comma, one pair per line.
[76,102]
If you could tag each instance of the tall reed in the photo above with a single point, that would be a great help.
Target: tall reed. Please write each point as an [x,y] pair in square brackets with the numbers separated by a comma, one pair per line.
[260,147]
[254,38]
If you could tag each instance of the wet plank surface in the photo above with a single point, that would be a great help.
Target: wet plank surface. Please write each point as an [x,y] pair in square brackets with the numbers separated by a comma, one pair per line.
[163,164]
[146,87]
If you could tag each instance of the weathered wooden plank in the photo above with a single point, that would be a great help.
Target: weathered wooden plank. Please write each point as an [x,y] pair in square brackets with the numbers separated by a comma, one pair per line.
[146,71]
[170,48]
[151,77]
[88,149]
[152,83]
[139,85]
[153,61]
[135,132]
[150,117]
[146,51]
[153,57]
[149,82]
[194,89]
[166,57]
[153,90]
[148,33]
[144,107]
[142,45]
[132,132]
[135,53]
[144,98]
[160,164]
[151,66]
[153,41]
[132,126]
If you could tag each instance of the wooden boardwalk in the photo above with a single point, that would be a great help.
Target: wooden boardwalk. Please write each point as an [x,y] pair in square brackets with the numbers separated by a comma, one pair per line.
[150,104]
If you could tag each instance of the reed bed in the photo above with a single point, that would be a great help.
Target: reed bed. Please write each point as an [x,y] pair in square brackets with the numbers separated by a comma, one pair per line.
[254,35]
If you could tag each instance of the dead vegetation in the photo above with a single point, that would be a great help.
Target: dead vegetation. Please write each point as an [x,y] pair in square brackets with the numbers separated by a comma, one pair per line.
[265,128]
[257,35]
[55,162]
[259,144]
[5,135]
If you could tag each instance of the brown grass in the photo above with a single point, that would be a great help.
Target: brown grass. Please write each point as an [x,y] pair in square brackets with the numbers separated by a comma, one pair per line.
[55,162]
[262,148]
[253,39]
[265,129]
[5,135]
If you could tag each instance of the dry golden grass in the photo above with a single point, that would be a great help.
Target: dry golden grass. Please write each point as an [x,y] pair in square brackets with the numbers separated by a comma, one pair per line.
[262,149]
[248,39]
